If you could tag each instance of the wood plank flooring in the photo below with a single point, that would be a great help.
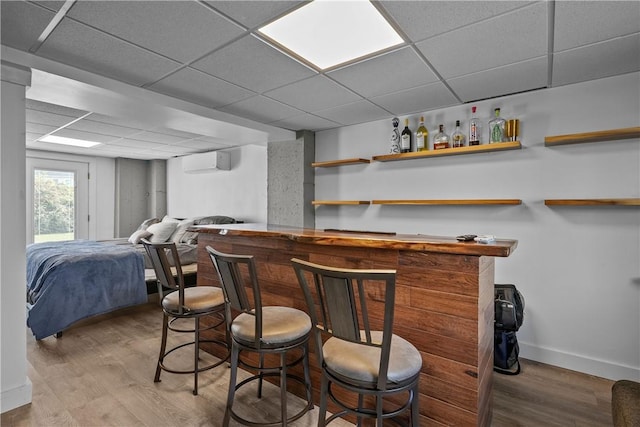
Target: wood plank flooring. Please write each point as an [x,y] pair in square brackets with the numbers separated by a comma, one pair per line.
[100,373]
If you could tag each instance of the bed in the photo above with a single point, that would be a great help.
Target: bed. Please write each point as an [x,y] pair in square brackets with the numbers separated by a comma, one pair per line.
[73,280]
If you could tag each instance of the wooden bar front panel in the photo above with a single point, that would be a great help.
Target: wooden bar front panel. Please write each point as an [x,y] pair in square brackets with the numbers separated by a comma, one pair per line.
[444,306]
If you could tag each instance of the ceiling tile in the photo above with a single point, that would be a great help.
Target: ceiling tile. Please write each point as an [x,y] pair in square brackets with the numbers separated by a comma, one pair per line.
[181,30]
[316,93]
[102,128]
[424,98]
[201,88]
[117,121]
[86,136]
[21,23]
[609,58]
[83,47]
[135,143]
[57,120]
[423,19]
[261,109]
[39,129]
[578,23]
[51,4]
[183,135]
[158,137]
[32,137]
[254,65]
[392,72]
[52,108]
[253,13]
[351,114]
[508,38]
[306,122]
[523,76]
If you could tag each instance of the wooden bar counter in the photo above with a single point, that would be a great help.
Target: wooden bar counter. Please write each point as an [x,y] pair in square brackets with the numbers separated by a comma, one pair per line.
[444,300]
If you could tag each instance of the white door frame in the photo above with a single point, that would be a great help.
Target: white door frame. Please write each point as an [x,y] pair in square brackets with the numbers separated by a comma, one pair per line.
[81,171]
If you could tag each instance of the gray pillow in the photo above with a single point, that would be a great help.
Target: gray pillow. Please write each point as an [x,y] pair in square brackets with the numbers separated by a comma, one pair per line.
[161,231]
[216,219]
[147,222]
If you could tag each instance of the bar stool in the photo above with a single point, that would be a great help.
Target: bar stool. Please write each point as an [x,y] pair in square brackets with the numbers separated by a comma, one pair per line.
[355,357]
[262,330]
[185,303]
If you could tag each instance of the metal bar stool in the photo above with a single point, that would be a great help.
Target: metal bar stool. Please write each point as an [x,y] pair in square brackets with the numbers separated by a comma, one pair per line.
[263,330]
[185,303]
[356,358]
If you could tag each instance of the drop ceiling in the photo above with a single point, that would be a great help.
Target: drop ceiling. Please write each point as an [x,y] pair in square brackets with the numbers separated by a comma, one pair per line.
[209,54]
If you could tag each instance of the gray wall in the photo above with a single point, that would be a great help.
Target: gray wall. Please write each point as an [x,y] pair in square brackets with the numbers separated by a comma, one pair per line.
[140,193]
[291,181]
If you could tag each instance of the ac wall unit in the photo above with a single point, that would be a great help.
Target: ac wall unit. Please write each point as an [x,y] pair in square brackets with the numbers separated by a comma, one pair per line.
[206,162]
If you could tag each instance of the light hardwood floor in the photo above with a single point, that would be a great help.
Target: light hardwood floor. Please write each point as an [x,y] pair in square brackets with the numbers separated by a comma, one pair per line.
[100,373]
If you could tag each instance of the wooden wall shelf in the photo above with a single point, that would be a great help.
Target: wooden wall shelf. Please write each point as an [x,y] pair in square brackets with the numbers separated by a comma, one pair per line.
[449,202]
[339,202]
[592,202]
[332,163]
[498,146]
[605,135]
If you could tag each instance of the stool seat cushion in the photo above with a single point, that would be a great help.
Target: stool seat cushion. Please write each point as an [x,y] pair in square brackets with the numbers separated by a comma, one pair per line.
[361,362]
[625,403]
[196,299]
[279,325]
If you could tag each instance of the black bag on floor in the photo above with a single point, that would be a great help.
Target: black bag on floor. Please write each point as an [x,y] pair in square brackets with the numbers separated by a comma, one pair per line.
[505,352]
[509,315]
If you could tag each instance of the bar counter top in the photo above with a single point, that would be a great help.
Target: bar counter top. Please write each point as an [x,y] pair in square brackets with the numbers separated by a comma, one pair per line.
[368,239]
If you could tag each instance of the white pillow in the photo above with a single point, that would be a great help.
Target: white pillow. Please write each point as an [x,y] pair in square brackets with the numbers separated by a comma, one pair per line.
[181,229]
[161,231]
[139,235]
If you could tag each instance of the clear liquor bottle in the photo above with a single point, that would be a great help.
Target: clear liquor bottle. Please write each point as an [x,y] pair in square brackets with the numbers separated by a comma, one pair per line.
[457,137]
[496,128]
[395,137]
[405,138]
[475,129]
[441,140]
[422,137]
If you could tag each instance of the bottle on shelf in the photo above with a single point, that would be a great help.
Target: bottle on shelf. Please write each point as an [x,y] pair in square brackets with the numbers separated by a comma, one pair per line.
[395,137]
[475,129]
[422,137]
[441,140]
[405,138]
[496,128]
[457,137]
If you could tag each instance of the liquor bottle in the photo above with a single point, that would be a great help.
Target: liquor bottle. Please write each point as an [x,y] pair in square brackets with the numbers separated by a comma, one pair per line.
[405,138]
[475,128]
[496,128]
[395,137]
[457,137]
[441,140]
[422,137]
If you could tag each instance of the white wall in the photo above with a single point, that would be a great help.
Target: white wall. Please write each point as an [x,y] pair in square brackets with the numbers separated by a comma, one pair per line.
[101,202]
[240,193]
[578,267]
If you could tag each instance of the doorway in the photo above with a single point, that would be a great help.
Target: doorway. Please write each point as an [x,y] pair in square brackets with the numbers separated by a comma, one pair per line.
[57,200]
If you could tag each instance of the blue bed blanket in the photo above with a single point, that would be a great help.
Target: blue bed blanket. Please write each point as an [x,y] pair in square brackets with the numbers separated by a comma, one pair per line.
[70,281]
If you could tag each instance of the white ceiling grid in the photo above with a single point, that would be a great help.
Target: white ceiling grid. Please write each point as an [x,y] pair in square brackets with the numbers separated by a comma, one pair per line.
[209,53]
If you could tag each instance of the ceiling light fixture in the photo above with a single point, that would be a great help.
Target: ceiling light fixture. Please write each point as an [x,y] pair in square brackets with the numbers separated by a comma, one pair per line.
[327,33]
[68,141]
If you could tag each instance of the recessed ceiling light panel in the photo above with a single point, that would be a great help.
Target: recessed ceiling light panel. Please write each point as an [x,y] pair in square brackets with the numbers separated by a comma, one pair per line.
[68,141]
[327,33]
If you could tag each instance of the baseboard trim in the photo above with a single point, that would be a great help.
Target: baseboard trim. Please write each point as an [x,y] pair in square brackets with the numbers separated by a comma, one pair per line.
[575,362]
[16,397]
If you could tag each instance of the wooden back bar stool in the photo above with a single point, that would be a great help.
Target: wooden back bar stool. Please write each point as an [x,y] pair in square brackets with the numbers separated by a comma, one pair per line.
[263,330]
[184,303]
[356,357]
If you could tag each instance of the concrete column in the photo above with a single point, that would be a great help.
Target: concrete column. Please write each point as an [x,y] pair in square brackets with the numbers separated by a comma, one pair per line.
[15,384]
[291,184]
